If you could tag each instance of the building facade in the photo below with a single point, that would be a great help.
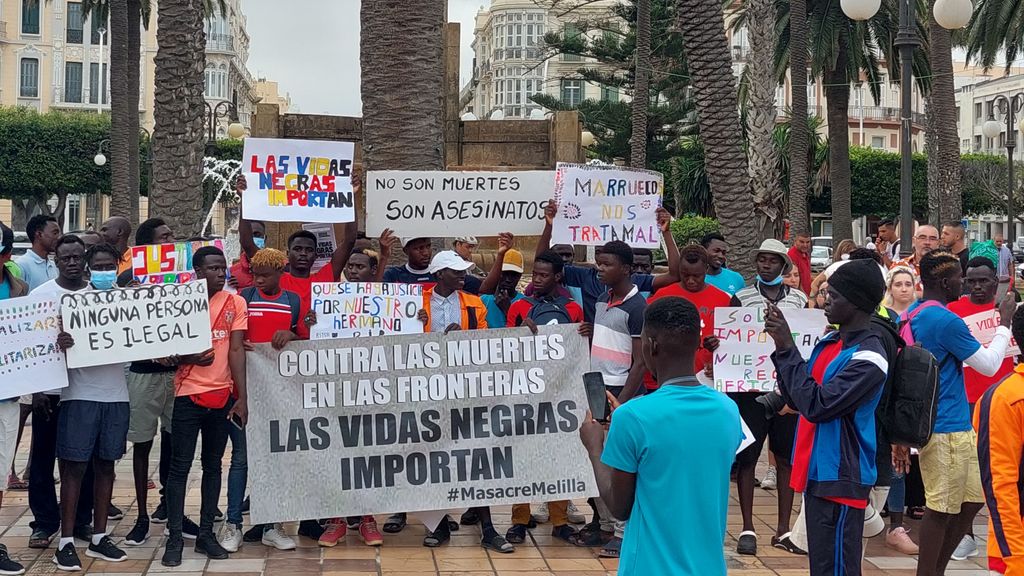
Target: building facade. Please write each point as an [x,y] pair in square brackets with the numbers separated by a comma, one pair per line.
[54,56]
[510,64]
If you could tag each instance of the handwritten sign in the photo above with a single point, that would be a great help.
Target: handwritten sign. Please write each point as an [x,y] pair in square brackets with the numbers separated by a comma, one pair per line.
[742,361]
[350,309]
[155,321]
[326,243]
[429,204]
[298,180]
[167,263]
[30,360]
[597,205]
[983,326]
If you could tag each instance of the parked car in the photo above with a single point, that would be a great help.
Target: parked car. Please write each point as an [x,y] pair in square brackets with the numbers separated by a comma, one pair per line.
[821,241]
[21,243]
[821,257]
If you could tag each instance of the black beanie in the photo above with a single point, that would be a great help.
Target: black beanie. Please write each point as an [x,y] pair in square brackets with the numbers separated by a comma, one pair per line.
[860,282]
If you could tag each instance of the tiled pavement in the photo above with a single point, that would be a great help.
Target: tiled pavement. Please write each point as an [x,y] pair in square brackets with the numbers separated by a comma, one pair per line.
[402,554]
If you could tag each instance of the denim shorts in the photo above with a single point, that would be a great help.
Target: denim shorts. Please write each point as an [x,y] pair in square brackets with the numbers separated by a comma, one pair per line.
[87,430]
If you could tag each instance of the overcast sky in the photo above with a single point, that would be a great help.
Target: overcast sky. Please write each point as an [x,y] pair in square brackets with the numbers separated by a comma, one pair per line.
[311,48]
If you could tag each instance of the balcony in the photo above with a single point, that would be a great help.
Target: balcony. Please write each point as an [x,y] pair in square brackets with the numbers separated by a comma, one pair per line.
[220,43]
[3,31]
[884,114]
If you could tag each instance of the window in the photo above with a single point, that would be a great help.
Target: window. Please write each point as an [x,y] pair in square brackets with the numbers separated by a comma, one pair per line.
[97,83]
[571,32]
[30,18]
[73,82]
[216,82]
[977,140]
[29,78]
[94,35]
[609,93]
[572,92]
[878,142]
[74,29]
[977,111]
[812,93]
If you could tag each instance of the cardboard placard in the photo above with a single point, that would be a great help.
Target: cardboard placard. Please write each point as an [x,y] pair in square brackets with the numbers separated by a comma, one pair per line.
[354,309]
[326,243]
[597,205]
[167,263]
[30,360]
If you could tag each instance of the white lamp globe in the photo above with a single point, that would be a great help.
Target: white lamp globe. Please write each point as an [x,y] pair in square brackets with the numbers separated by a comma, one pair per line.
[236,130]
[498,114]
[587,139]
[100,159]
[468,117]
[860,9]
[991,128]
[953,14]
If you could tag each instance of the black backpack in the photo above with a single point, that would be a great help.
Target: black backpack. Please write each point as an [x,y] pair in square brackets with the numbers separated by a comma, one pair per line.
[554,311]
[912,396]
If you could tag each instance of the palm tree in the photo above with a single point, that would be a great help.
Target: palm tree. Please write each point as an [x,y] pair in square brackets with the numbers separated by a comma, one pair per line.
[178,111]
[944,159]
[402,62]
[641,92]
[760,83]
[996,28]
[714,89]
[799,136]
[121,108]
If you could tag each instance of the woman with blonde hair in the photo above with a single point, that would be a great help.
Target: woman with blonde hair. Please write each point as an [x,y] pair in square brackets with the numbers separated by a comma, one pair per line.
[900,289]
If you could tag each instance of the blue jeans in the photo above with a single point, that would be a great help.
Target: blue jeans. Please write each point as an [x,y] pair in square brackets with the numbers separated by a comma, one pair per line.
[897,494]
[237,474]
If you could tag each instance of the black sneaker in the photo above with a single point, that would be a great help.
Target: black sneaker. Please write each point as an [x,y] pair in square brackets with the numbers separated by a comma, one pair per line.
[254,534]
[83,532]
[9,567]
[139,533]
[747,544]
[189,529]
[160,516]
[66,559]
[469,518]
[114,513]
[207,544]
[218,516]
[172,552]
[106,550]
[310,529]
[516,534]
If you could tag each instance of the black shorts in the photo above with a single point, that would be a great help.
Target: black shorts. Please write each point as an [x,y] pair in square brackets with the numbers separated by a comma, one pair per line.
[780,431]
[87,430]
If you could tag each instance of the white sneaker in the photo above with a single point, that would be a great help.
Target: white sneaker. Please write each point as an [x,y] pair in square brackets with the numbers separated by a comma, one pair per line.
[770,481]
[230,537]
[574,514]
[276,538]
[542,515]
[967,548]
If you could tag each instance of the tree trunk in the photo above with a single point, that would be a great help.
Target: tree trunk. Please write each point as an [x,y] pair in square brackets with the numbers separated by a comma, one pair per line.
[714,90]
[641,93]
[799,131]
[762,155]
[134,57]
[931,150]
[120,111]
[837,91]
[402,84]
[942,105]
[178,145]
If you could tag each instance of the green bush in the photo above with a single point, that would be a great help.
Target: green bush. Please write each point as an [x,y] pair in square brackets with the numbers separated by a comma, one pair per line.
[689,229]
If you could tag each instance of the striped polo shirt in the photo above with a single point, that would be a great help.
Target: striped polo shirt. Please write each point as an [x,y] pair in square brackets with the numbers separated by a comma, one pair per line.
[751,297]
[616,324]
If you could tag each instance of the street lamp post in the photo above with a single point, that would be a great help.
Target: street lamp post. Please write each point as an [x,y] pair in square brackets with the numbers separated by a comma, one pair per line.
[100,84]
[1009,107]
[950,14]
[216,112]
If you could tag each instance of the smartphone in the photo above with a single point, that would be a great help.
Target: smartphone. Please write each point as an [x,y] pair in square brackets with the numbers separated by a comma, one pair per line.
[593,382]
[237,422]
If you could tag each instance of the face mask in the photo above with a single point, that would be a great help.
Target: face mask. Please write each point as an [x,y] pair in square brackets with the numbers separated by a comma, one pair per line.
[103,279]
[260,242]
[775,282]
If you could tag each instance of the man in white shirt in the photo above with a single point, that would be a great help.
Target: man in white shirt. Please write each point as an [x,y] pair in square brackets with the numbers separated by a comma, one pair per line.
[36,266]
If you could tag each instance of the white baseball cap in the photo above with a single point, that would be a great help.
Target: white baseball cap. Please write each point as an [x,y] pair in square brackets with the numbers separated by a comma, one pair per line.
[467,240]
[448,259]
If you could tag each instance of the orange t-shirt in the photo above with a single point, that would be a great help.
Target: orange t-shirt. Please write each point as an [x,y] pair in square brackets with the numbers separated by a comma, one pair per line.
[227,314]
[126,261]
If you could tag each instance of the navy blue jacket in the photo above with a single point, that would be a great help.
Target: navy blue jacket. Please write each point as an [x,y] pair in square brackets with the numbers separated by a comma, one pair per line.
[838,416]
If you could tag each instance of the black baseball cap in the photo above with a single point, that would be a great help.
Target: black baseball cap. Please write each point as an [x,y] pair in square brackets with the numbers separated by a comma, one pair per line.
[6,239]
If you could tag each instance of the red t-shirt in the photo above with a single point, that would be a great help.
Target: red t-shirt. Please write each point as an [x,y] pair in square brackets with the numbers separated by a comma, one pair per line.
[268,314]
[706,301]
[520,309]
[803,262]
[303,287]
[975,382]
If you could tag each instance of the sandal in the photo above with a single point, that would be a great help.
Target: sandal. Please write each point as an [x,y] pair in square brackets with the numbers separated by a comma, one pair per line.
[588,537]
[15,483]
[784,542]
[565,533]
[497,543]
[915,512]
[395,523]
[436,539]
[612,548]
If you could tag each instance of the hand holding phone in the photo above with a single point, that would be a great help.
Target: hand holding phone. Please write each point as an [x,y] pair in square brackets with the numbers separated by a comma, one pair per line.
[237,422]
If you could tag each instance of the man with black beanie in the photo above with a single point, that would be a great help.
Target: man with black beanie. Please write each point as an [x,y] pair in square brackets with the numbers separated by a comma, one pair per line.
[836,393]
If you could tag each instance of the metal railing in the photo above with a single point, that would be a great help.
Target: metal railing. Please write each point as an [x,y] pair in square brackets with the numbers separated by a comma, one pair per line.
[222,42]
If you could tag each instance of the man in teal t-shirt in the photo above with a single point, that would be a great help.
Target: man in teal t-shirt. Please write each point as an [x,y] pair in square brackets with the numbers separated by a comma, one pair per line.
[726,280]
[673,489]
